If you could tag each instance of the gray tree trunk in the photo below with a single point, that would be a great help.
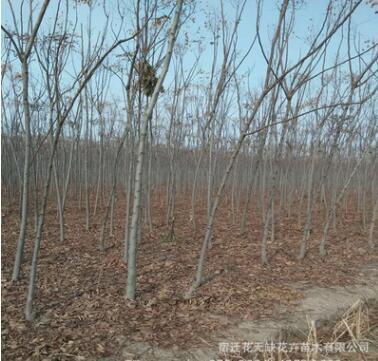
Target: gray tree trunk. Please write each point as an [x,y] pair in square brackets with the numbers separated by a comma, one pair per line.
[135,220]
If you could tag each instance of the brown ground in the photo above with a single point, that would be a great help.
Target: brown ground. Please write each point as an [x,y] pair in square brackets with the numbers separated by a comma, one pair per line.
[80,298]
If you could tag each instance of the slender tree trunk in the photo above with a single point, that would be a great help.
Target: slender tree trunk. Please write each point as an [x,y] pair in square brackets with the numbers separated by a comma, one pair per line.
[310,196]
[135,220]
[29,309]
[26,175]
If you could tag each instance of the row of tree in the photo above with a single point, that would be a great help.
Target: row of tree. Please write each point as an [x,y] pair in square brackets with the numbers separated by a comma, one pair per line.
[305,134]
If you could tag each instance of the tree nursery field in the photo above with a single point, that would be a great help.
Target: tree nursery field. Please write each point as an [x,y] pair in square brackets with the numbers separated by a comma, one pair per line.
[181,178]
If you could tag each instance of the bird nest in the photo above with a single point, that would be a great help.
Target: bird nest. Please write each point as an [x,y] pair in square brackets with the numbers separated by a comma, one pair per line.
[147,77]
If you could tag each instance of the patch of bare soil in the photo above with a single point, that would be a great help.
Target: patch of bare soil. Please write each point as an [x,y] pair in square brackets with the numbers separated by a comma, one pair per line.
[82,311]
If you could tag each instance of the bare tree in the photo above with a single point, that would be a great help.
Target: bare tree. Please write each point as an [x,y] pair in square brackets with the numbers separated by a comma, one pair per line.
[135,223]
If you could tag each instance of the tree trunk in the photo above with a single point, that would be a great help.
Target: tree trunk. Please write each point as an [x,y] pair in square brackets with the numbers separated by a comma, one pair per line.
[134,231]
[26,174]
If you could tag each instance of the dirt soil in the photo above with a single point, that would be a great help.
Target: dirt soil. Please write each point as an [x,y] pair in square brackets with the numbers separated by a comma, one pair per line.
[321,307]
[82,311]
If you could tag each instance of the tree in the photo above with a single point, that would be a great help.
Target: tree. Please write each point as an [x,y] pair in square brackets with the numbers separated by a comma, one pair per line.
[135,223]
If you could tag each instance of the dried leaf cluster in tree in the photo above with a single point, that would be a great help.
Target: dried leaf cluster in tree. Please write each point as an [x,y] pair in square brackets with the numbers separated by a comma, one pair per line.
[147,77]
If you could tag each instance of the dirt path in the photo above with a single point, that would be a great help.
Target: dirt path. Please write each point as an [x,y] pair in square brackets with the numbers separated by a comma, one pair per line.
[317,303]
